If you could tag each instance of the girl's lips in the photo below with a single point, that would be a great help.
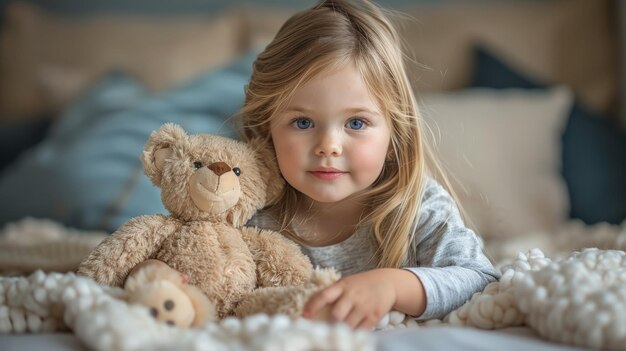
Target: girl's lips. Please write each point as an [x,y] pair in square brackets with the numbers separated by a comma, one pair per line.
[327,175]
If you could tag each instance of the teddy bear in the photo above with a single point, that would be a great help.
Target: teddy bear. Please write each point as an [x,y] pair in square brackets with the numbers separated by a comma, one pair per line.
[168,296]
[211,186]
[289,300]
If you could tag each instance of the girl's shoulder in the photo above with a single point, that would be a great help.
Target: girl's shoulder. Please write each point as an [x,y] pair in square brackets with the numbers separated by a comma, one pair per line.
[433,188]
[436,198]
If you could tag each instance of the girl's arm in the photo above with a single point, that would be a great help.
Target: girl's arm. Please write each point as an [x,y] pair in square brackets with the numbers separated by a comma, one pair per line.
[445,267]
[446,256]
[362,299]
[410,295]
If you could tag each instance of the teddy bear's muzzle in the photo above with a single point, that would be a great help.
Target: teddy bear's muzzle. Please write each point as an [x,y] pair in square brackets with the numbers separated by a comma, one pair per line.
[214,193]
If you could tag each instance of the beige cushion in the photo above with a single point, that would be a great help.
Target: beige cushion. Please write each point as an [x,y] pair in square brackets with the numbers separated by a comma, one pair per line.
[47,59]
[503,149]
[262,24]
[566,42]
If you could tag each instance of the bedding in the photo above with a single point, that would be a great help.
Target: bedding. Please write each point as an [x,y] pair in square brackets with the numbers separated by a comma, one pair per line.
[570,301]
[593,149]
[447,338]
[501,150]
[86,172]
[17,137]
[426,339]
[102,321]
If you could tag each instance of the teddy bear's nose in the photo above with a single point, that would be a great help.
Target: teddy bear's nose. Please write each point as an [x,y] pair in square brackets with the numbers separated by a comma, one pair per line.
[219,168]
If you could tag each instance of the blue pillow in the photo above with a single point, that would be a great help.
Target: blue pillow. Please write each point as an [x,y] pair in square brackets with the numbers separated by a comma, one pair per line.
[19,136]
[594,151]
[87,173]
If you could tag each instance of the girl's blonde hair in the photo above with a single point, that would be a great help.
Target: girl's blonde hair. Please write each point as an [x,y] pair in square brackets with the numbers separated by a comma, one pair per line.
[331,34]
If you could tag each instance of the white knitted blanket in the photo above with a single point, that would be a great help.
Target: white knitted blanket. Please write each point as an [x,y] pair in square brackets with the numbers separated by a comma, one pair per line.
[578,298]
[52,302]
[48,302]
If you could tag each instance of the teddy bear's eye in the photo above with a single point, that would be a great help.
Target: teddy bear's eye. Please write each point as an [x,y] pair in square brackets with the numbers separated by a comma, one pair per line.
[197,164]
[237,171]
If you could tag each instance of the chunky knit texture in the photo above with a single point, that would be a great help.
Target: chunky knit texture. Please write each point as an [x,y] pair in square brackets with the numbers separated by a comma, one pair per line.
[101,320]
[32,243]
[577,298]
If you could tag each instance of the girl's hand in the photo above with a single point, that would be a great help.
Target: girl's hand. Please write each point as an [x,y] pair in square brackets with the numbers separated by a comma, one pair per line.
[359,300]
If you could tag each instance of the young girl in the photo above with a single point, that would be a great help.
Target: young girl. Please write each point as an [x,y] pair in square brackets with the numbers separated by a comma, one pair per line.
[331,95]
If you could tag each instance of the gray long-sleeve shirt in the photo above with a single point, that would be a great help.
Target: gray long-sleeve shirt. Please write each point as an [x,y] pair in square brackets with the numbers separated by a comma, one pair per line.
[445,255]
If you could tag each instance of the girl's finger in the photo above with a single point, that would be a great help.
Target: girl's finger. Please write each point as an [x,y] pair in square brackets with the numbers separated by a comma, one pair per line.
[355,318]
[367,324]
[321,299]
[341,309]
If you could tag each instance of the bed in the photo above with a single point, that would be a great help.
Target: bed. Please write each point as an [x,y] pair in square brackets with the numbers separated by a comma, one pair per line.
[521,97]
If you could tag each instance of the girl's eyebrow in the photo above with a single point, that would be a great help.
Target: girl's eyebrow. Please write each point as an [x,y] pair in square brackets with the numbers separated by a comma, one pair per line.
[361,109]
[297,109]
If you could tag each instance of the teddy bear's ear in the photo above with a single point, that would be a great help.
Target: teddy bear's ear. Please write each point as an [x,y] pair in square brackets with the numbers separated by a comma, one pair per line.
[159,148]
[267,161]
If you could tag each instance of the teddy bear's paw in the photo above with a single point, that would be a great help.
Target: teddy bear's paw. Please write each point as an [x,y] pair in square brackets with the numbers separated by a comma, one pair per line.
[323,277]
[273,300]
[297,276]
[206,310]
[166,302]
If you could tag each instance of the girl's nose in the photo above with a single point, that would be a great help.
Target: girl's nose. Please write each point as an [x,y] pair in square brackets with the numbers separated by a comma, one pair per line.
[329,145]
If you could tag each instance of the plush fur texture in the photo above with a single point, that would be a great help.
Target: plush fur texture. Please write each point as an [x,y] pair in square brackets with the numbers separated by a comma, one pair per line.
[212,186]
[170,300]
[288,300]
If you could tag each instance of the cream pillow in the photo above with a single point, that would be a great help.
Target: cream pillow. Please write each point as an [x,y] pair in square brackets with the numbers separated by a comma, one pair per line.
[503,150]
[563,42]
[46,59]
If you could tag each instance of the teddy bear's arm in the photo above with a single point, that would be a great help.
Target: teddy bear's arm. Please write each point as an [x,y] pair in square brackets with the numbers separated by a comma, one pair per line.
[279,261]
[135,241]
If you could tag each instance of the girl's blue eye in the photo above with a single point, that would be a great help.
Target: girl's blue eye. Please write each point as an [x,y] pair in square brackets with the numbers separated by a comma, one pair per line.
[355,124]
[303,123]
